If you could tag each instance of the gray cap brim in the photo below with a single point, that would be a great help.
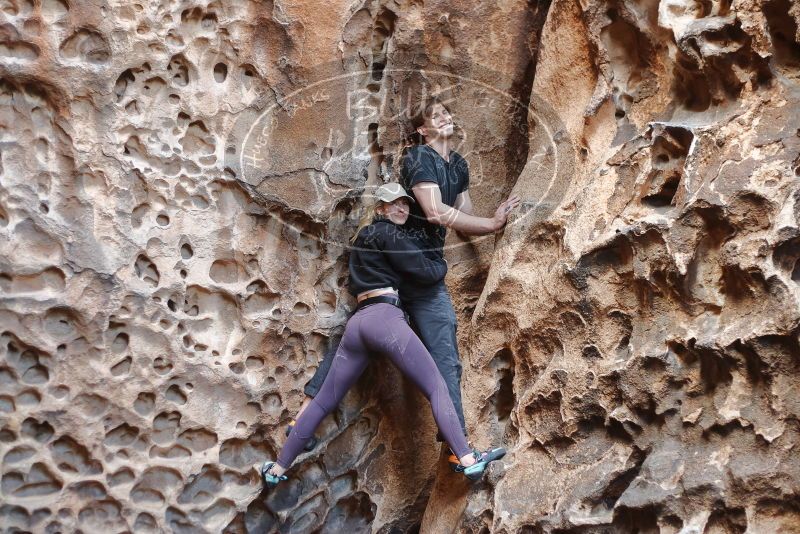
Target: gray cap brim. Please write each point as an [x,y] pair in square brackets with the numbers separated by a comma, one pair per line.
[391,197]
[391,192]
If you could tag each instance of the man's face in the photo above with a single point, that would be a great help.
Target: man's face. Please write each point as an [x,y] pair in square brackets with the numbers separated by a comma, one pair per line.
[439,125]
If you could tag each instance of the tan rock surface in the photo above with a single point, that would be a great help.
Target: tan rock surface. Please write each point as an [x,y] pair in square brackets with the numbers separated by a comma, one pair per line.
[177,182]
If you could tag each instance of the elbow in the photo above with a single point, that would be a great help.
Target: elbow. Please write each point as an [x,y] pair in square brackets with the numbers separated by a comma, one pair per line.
[439,220]
[433,219]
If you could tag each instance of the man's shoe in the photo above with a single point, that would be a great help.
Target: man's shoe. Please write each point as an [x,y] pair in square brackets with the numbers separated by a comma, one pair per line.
[270,481]
[482,459]
[310,444]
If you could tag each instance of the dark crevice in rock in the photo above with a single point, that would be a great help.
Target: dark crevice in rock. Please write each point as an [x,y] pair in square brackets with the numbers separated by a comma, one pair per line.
[382,31]
[668,154]
[715,59]
[786,257]
[620,483]
[783,31]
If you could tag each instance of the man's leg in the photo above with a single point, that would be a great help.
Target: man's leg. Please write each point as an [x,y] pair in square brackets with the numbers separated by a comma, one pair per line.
[315,384]
[435,321]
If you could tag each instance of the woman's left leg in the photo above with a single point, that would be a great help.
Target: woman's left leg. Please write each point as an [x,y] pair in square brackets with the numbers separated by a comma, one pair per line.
[390,335]
[393,337]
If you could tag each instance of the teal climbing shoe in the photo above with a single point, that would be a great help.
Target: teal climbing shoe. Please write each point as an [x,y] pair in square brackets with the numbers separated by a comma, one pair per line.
[270,481]
[482,460]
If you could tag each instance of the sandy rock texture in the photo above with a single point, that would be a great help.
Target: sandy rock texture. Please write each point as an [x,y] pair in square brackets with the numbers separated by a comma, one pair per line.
[178,180]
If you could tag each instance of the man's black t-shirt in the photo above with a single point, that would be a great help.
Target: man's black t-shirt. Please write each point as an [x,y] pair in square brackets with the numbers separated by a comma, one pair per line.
[421,163]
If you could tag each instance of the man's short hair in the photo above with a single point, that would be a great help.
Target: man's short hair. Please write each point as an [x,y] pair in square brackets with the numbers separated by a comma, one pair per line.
[424,109]
[418,113]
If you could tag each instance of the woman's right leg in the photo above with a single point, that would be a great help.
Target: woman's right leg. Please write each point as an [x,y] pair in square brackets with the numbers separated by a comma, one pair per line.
[350,361]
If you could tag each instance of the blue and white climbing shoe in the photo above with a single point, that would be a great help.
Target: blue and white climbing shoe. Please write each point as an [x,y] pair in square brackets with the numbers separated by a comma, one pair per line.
[482,460]
[270,481]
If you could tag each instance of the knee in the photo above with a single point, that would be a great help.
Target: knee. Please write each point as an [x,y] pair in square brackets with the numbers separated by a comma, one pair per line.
[455,366]
[320,406]
[451,364]
[450,322]
[449,369]
[449,332]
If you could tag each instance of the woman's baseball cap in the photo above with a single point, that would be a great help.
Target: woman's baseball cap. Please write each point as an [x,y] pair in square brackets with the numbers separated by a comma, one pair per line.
[391,192]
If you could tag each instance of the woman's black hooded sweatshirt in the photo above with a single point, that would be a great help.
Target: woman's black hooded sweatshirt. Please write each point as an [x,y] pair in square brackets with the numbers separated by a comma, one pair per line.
[383,254]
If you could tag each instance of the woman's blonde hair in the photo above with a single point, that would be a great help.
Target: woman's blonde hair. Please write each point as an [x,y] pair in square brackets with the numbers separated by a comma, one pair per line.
[366,218]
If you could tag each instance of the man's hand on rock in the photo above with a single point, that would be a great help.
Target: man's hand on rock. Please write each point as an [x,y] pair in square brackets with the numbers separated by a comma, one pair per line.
[501,214]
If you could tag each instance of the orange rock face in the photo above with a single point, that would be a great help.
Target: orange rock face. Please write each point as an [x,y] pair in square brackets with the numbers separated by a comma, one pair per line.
[178,182]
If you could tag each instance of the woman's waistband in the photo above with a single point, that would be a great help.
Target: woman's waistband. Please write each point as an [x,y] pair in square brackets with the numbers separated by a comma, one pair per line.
[380,299]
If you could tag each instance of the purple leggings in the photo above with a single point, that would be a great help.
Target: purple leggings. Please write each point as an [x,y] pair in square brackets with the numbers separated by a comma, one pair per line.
[379,329]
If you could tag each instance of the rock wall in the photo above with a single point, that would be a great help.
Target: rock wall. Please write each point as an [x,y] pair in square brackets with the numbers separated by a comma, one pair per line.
[638,346]
[177,183]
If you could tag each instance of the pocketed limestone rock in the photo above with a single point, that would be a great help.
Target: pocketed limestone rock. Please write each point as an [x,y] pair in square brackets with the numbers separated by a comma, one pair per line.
[178,182]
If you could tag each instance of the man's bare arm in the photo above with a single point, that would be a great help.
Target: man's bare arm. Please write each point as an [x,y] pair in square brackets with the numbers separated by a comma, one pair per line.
[464,203]
[429,197]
